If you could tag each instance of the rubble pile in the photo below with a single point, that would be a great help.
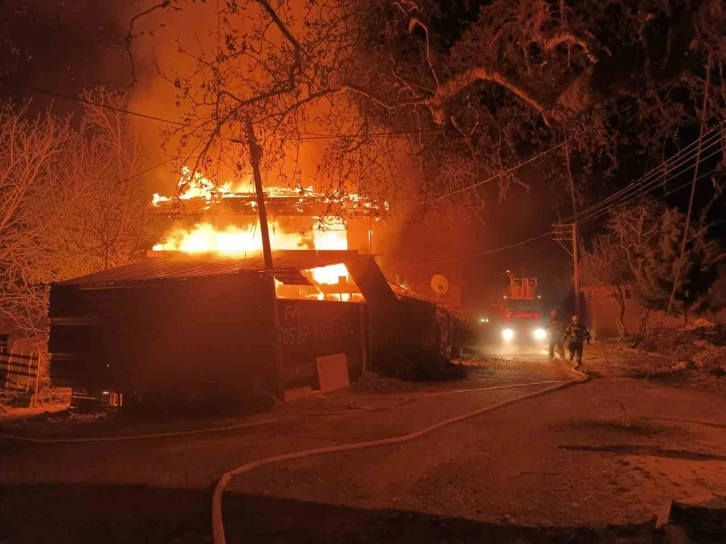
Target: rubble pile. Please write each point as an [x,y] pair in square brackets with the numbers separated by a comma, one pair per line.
[700,345]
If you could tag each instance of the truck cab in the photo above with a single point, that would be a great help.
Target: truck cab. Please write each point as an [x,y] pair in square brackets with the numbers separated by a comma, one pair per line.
[521,313]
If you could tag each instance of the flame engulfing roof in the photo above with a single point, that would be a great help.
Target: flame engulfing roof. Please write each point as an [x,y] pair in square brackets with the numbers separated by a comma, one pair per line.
[198,195]
[287,264]
[246,204]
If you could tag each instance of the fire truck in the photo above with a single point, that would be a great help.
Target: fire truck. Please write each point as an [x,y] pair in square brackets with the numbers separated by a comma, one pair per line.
[520,313]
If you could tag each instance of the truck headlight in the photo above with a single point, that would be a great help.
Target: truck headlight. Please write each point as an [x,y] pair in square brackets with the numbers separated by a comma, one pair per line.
[539,334]
[507,334]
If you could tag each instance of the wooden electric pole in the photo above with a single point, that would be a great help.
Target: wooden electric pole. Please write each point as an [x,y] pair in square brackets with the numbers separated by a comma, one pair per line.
[565,232]
[576,262]
[255,158]
[575,242]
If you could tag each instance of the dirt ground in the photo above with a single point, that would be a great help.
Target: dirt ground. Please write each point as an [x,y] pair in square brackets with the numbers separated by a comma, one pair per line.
[591,463]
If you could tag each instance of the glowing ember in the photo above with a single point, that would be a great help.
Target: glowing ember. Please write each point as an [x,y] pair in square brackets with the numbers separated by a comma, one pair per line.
[158,199]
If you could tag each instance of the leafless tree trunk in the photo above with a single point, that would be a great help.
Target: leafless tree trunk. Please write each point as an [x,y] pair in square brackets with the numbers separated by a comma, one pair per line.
[619,295]
[644,321]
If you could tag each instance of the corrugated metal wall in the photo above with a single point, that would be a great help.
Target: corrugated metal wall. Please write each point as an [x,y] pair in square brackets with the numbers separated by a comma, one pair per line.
[215,334]
[196,334]
[399,329]
[311,329]
[406,330]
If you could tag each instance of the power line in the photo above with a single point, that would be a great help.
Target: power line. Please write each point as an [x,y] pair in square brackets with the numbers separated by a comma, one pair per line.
[304,136]
[664,195]
[488,252]
[314,136]
[588,214]
[510,170]
[137,174]
[684,185]
[652,185]
[665,175]
[631,192]
[495,176]
[553,148]
[523,242]
[633,197]
[88,102]
[684,154]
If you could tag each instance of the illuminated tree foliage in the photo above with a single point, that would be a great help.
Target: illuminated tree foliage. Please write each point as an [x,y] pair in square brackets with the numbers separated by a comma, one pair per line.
[69,206]
[698,269]
[605,266]
[641,253]
[460,91]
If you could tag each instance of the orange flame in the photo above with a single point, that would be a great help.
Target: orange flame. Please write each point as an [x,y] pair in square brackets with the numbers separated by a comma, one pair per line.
[327,233]
[233,241]
[197,187]
[330,233]
[238,241]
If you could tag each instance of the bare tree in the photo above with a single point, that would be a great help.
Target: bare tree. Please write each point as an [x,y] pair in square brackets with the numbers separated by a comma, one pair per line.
[459,93]
[639,253]
[36,197]
[109,217]
[69,206]
[634,230]
[605,266]
[280,66]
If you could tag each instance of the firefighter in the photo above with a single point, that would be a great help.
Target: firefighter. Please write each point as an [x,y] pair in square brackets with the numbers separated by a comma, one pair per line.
[576,334]
[556,329]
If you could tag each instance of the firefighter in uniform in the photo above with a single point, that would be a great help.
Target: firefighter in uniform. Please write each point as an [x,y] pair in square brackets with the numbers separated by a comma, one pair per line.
[577,335]
[556,328]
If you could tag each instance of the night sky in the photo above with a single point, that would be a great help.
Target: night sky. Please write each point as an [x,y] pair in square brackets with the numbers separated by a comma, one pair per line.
[62,46]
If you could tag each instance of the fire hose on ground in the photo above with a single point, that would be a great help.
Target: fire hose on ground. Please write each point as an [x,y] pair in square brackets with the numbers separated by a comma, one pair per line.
[207,430]
[217,519]
[226,478]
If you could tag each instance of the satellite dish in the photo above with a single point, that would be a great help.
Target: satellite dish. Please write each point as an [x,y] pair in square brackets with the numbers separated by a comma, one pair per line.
[439,284]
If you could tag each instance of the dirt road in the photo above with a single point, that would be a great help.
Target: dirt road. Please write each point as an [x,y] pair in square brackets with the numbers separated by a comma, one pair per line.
[592,462]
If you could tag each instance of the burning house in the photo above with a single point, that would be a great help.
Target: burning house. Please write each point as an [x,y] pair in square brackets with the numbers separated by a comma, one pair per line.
[202,317]
[224,218]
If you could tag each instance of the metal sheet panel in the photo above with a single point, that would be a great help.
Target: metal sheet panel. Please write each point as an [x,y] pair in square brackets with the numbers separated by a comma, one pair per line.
[371,282]
[190,266]
[310,329]
[192,335]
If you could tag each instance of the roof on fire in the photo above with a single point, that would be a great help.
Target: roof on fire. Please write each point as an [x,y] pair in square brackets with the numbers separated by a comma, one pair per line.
[287,264]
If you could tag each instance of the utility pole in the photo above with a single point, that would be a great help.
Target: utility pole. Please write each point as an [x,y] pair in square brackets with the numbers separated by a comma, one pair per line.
[370,235]
[255,158]
[575,240]
[679,262]
[565,232]
[576,263]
